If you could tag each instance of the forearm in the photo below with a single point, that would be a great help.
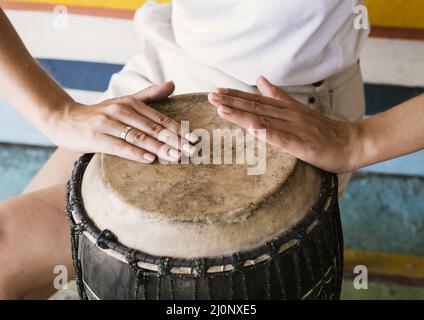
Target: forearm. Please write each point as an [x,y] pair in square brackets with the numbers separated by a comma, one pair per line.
[23,83]
[396,132]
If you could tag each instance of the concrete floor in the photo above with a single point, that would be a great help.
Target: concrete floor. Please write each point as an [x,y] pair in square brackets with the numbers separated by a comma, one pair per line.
[382,218]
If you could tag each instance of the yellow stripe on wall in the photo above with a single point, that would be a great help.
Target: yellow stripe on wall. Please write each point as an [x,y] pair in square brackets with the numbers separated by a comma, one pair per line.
[396,13]
[385,13]
[104,4]
[385,263]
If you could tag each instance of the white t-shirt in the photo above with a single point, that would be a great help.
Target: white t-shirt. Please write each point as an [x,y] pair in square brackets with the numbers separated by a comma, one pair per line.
[292,42]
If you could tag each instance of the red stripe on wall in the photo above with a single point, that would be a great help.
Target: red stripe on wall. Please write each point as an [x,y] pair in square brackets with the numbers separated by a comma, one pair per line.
[376,31]
[98,12]
[397,33]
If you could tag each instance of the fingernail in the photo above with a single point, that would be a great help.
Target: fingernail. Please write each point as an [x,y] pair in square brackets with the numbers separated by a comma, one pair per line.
[189,149]
[149,157]
[191,137]
[222,90]
[216,96]
[225,110]
[174,153]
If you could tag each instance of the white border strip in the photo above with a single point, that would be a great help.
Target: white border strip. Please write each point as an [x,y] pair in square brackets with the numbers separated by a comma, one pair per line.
[395,62]
[87,38]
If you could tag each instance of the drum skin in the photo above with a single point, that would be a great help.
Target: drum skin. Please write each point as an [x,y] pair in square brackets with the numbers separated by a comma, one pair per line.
[225,235]
[190,210]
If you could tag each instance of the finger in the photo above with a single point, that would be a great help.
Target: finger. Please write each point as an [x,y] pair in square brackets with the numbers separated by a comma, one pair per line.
[161,119]
[164,121]
[249,120]
[251,96]
[155,93]
[267,89]
[127,115]
[247,105]
[142,140]
[120,148]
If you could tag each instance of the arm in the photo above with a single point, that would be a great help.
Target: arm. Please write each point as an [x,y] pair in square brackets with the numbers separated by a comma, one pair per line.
[23,83]
[393,133]
[97,128]
[316,139]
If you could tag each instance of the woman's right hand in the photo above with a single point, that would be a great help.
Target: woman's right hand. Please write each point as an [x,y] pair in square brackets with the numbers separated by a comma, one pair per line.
[98,128]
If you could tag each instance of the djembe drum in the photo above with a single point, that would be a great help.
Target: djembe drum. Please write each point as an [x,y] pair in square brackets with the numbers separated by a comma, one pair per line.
[204,231]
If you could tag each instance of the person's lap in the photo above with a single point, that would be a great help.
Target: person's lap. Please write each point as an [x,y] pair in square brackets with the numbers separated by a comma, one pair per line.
[34,239]
[34,232]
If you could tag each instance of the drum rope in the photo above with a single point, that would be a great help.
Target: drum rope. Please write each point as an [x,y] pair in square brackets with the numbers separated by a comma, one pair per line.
[231,285]
[334,228]
[277,263]
[318,247]
[158,286]
[340,243]
[141,281]
[296,264]
[75,236]
[324,240]
[275,257]
[268,279]
[164,271]
[195,288]
[307,256]
[130,257]
[208,288]
[171,287]
[201,273]
[336,253]
[76,231]
[339,240]
[328,237]
[238,269]
[105,236]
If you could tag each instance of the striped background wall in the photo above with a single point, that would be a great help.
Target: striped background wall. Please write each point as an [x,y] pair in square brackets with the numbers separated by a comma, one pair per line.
[83,56]
[404,14]
[100,39]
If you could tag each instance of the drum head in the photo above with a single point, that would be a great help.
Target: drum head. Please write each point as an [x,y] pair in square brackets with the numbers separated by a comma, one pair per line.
[191,210]
[197,192]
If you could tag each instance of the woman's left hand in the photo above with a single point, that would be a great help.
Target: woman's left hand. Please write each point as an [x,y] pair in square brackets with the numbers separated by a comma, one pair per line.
[290,125]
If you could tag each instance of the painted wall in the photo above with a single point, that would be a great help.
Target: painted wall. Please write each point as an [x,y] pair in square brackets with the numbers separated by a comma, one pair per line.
[392,13]
[396,13]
